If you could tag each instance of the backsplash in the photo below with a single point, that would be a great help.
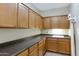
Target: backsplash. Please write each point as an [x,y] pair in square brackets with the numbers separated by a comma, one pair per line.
[56,31]
[13,34]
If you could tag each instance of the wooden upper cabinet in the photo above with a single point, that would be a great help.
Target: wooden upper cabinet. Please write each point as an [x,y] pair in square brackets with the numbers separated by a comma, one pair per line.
[56,22]
[35,20]
[60,22]
[22,16]
[46,23]
[38,21]
[31,19]
[63,22]
[8,14]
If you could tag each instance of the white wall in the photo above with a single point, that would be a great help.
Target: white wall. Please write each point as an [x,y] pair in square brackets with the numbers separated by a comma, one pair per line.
[56,31]
[74,11]
[13,34]
[71,33]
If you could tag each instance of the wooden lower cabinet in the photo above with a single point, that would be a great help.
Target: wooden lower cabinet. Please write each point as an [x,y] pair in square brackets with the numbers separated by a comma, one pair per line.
[24,53]
[64,46]
[41,47]
[40,50]
[44,50]
[33,51]
[37,49]
[60,45]
[51,44]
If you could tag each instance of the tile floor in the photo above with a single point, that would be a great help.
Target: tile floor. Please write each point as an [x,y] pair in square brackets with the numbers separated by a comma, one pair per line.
[54,54]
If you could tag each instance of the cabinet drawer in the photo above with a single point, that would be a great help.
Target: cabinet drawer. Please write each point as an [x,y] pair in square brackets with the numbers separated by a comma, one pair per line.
[33,48]
[24,53]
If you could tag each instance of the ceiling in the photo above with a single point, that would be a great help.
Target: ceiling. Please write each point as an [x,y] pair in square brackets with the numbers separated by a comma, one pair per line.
[48,6]
[50,9]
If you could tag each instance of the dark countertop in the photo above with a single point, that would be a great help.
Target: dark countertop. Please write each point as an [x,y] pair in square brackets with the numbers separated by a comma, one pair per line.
[14,47]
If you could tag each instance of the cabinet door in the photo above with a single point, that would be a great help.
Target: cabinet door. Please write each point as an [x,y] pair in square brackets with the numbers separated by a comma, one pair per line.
[47,23]
[31,19]
[64,46]
[8,14]
[37,20]
[41,47]
[60,22]
[63,22]
[51,44]
[54,22]
[44,49]
[22,16]
[24,53]
[41,22]
[33,51]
